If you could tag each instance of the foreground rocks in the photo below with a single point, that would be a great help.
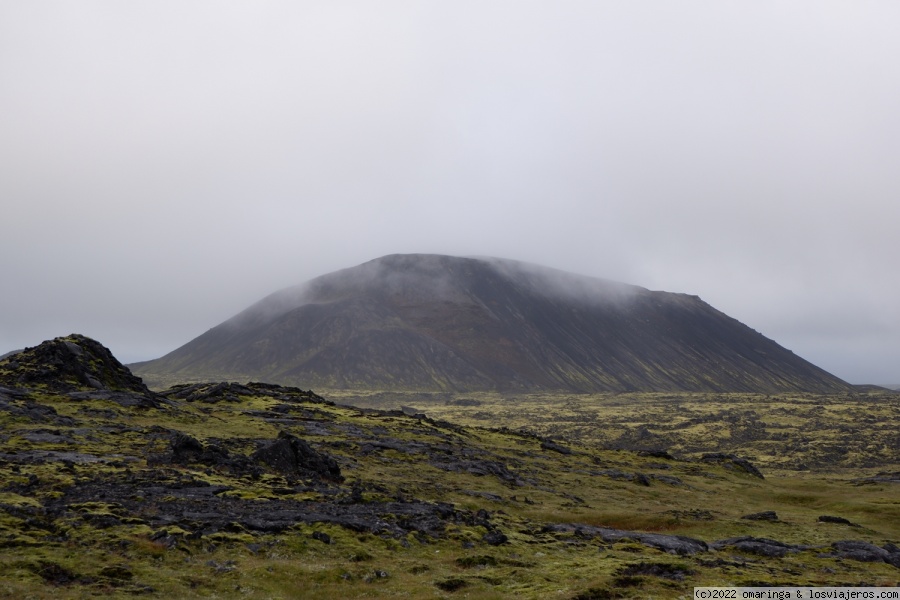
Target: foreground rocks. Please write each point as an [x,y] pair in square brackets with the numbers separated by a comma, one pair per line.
[68,364]
[100,487]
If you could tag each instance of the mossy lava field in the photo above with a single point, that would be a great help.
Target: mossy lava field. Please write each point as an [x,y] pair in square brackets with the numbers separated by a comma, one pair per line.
[226,490]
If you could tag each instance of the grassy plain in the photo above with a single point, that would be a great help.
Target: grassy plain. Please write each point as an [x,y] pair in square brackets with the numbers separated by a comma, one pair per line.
[820,456]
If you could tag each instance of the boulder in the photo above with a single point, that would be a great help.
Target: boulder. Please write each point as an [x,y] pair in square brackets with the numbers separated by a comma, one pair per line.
[293,457]
[766,515]
[732,462]
[758,546]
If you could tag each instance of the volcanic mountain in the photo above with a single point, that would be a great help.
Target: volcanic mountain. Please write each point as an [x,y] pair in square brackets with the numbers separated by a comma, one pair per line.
[431,323]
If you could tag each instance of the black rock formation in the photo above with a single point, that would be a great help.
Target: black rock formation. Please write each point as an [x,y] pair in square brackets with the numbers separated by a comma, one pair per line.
[759,546]
[67,364]
[293,457]
[730,461]
[766,515]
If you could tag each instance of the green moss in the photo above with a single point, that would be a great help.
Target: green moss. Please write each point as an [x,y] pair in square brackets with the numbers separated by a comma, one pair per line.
[580,487]
[18,500]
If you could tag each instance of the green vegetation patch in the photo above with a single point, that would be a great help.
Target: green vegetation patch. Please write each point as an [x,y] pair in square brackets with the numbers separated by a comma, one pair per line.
[206,495]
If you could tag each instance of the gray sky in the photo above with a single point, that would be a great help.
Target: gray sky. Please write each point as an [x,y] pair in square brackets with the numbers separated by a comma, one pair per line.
[165,164]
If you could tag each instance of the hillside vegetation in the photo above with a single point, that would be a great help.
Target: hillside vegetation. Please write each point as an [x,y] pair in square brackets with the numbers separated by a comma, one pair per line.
[791,434]
[259,491]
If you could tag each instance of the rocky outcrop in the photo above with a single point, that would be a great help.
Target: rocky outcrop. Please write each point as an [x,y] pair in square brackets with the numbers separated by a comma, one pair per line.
[293,457]
[672,544]
[766,515]
[759,546]
[211,393]
[67,364]
[732,462]
[865,552]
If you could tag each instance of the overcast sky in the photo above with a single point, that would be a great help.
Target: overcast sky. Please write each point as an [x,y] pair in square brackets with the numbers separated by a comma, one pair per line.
[164,164]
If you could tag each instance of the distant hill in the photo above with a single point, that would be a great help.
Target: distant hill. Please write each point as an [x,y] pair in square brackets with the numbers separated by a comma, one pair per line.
[429,322]
[868,387]
[2,356]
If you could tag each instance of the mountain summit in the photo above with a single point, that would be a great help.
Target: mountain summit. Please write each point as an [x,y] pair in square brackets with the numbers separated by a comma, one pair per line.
[429,322]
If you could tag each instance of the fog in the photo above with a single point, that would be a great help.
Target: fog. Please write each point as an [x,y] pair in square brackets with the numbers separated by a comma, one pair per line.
[164,165]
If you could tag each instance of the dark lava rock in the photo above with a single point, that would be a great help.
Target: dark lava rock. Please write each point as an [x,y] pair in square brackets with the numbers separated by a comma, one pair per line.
[451,585]
[885,477]
[838,520]
[322,537]
[641,479]
[673,544]
[495,538]
[292,456]
[657,454]
[185,449]
[40,436]
[478,467]
[125,399]
[387,444]
[485,495]
[641,439]
[72,363]
[28,409]
[164,498]
[638,478]
[696,514]
[664,570]
[667,479]
[866,552]
[555,447]
[213,392]
[766,515]
[733,462]
[210,392]
[758,546]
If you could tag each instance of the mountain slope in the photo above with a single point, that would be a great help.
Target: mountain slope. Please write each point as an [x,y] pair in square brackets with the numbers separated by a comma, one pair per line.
[428,322]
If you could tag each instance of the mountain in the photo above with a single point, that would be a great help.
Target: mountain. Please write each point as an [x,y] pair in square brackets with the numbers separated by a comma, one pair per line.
[430,322]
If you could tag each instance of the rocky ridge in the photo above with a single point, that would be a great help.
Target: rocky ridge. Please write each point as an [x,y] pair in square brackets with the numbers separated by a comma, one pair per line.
[69,364]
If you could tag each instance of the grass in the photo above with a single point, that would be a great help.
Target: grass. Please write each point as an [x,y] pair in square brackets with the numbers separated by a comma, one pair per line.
[96,548]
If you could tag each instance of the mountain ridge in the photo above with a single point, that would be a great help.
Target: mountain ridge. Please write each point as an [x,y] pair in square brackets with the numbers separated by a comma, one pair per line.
[432,322]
